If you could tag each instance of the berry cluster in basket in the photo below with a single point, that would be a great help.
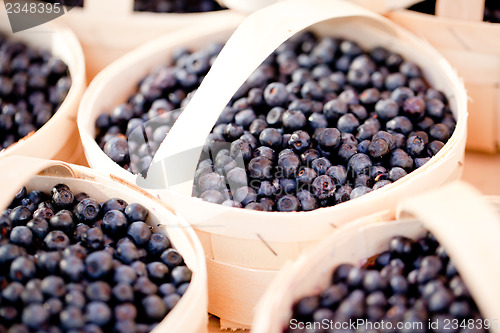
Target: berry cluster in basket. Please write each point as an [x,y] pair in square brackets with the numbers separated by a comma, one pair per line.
[71,264]
[412,284]
[33,84]
[491,9]
[320,122]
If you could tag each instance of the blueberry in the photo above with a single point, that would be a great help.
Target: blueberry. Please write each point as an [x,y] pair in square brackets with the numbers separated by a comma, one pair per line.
[294,120]
[373,282]
[171,258]
[114,223]
[93,239]
[72,268]
[237,177]
[39,227]
[48,262]
[359,164]
[439,132]
[56,240]
[157,244]
[22,269]
[260,167]
[288,203]
[98,313]
[271,137]
[124,274]
[62,196]
[399,158]
[274,116]
[378,148]
[323,187]
[53,286]
[143,286]
[87,210]
[307,200]
[99,264]
[306,307]
[125,311]
[136,212]
[154,307]
[328,138]
[241,149]
[300,141]
[440,300]
[75,298]
[20,216]
[334,109]
[212,196]
[98,291]
[35,316]
[114,204]
[62,220]
[140,233]
[288,164]
[21,236]
[434,147]
[275,94]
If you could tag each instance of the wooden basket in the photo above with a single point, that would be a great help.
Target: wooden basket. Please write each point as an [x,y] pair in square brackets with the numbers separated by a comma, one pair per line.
[108,29]
[245,249]
[465,223]
[54,136]
[473,47]
[190,314]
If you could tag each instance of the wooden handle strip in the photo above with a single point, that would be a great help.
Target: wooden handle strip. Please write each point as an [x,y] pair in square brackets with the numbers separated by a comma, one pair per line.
[469,229]
[15,171]
[469,10]
[257,37]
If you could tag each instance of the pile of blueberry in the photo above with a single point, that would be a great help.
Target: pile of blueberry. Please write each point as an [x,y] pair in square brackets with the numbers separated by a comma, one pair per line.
[491,9]
[320,122]
[177,6]
[33,84]
[71,264]
[152,110]
[414,285]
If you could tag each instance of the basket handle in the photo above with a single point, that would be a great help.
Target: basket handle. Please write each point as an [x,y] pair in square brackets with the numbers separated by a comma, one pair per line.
[15,171]
[469,228]
[104,8]
[252,42]
[469,10]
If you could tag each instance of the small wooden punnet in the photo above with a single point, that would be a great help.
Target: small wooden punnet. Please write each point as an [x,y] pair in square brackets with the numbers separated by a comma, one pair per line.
[465,223]
[245,249]
[473,48]
[190,314]
[59,137]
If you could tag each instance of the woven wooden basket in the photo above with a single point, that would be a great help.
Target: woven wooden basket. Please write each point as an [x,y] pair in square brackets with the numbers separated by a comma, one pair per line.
[245,249]
[465,223]
[108,29]
[473,47]
[190,314]
[59,132]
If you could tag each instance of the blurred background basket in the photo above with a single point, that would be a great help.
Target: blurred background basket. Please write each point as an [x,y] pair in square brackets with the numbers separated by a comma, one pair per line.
[109,29]
[59,137]
[473,48]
